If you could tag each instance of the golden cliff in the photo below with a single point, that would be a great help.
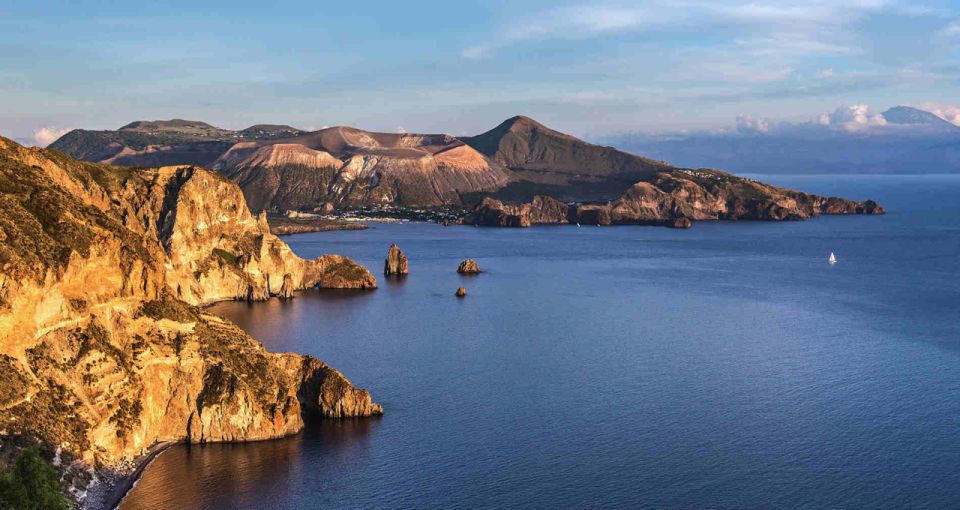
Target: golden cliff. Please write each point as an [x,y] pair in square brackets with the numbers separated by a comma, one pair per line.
[103,352]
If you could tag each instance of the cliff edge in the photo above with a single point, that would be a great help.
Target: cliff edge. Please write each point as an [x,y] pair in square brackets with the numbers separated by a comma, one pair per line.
[103,352]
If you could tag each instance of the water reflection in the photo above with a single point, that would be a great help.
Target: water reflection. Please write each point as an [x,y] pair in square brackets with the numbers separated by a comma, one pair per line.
[249,475]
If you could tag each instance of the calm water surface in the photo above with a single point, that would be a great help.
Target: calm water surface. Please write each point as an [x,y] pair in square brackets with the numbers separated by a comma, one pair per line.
[725,366]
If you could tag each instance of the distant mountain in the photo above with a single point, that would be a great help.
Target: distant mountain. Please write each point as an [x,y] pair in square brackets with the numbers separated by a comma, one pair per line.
[550,161]
[900,140]
[913,116]
[348,166]
[279,168]
[162,142]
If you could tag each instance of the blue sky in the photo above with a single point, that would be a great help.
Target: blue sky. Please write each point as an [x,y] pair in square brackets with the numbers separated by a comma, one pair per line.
[588,68]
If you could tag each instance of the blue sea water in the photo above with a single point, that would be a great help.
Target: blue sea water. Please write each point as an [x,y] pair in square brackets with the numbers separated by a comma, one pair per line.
[726,366]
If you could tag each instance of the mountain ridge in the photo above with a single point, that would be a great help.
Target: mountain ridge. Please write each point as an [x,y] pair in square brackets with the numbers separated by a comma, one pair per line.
[343,166]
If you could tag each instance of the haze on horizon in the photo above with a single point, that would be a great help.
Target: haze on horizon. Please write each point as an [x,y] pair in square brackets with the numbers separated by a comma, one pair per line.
[588,68]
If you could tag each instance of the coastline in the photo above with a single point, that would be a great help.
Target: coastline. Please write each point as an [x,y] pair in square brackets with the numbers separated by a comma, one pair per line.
[123,484]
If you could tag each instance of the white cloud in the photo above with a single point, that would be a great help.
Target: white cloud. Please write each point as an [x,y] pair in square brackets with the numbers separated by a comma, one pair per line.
[401,130]
[852,118]
[949,113]
[748,124]
[951,30]
[802,25]
[47,135]
[563,23]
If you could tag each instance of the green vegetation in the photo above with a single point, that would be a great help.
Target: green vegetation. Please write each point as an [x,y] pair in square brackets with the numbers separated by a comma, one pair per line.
[225,256]
[170,308]
[30,484]
[42,224]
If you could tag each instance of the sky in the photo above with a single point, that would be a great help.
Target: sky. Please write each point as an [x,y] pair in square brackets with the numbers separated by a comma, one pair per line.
[587,68]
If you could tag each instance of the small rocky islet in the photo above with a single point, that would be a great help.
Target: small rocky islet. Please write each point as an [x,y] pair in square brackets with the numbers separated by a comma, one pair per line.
[468,266]
[396,262]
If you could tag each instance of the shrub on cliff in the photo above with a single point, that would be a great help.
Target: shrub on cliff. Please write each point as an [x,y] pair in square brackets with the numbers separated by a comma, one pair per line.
[30,484]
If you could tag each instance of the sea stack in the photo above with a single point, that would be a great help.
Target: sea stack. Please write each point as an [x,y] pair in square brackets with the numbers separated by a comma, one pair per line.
[286,291]
[468,266]
[461,292]
[396,263]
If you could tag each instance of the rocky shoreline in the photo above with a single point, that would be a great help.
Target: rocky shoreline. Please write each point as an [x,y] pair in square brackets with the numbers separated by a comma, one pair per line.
[673,199]
[282,226]
[102,343]
[110,493]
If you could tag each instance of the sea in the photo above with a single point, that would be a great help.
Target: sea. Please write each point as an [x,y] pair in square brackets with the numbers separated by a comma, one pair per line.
[725,366]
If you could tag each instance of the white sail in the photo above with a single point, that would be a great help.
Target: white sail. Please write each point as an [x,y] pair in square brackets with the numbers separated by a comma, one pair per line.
[832,259]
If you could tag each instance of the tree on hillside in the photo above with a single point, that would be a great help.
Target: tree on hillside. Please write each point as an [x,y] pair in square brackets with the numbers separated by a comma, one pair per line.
[31,484]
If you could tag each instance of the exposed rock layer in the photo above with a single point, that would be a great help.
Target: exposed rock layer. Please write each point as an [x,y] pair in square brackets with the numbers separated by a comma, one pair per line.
[102,352]
[674,199]
[348,166]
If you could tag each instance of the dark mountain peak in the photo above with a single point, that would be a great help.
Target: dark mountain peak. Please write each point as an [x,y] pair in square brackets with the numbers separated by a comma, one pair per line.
[522,122]
[548,158]
[911,115]
[170,125]
[270,131]
[270,127]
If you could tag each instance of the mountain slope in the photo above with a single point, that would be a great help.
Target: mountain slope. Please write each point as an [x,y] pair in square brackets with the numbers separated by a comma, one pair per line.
[913,116]
[348,166]
[162,142]
[674,199]
[102,352]
[544,156]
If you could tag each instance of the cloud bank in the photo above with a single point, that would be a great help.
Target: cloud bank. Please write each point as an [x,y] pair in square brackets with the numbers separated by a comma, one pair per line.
[46,135]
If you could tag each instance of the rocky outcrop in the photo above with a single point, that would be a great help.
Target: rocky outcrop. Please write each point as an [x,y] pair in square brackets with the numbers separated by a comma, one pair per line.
[396,262]
[102,352]
[286,291]
[217,250]
[468,266]
[461,292]
[542,210]
[348,166]
[285,226]
[674,199]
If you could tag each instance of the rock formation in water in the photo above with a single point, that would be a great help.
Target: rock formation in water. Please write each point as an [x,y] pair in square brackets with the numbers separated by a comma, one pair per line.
[468,266]
[102,351]
[674,199]
[542,210]
[396,262]
[461,292]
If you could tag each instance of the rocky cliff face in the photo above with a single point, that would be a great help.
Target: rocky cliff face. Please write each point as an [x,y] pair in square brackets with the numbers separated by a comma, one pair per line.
[348,166]
[674,199]
[102,352]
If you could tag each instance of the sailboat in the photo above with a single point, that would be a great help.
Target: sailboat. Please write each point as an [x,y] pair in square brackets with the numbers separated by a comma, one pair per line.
[832,259]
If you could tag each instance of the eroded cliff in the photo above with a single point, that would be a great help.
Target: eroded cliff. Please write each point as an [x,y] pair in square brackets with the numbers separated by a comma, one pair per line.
[102,350]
